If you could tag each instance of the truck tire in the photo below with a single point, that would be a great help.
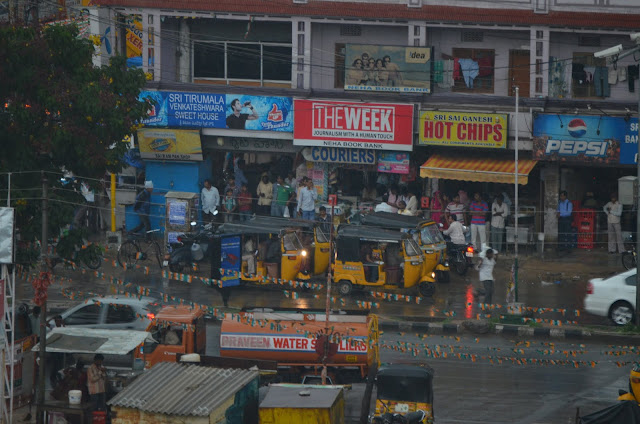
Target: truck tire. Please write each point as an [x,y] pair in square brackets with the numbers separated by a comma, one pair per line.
[345,287]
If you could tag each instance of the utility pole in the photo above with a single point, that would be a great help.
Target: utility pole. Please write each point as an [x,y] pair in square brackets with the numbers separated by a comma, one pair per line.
[517,205]
[327,342]
[43,313]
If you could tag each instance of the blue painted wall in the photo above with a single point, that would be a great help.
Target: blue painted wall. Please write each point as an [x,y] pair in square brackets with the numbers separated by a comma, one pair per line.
[169,176]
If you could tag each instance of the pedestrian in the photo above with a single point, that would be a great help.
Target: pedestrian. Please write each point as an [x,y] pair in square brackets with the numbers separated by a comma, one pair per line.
[613,209]
[499,210]
[283,194]
[437,207]
[229,205]
[369,263]
[455,208]
[455,231]
[324,220]
[402,208]
[244,203]
[34,320]
[265,195]
[478,209]
[239,173]
[142,207]
[307,201]
[210,198]
[393,197]
[564,214]
[97,382]
[291,181]
[231,184]
[485,270]
[249,255]
[412,202]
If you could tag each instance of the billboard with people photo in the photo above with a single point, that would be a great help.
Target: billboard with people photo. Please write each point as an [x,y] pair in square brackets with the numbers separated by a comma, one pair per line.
[387,68]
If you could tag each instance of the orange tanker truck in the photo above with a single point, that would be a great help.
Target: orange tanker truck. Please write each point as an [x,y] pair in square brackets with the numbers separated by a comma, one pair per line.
[297,341]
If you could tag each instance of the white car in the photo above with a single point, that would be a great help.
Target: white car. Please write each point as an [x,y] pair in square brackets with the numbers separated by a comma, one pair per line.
[111,312]
[613,297]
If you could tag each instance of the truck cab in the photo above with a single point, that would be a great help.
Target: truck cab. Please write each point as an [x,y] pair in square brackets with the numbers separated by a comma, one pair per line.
[176,330]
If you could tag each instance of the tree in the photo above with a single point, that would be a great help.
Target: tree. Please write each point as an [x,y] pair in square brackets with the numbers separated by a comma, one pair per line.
[60,112]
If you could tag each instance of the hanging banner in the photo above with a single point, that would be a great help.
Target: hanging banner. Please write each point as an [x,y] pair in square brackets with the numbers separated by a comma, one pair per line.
[463,129]
[134,40]
[387,68]
[165,144]
[393,162]
[376,126]
[585,139]
[231,261]
[207,110]
[339,155]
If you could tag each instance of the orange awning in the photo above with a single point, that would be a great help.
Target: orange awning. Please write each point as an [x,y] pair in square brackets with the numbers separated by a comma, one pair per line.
[477,169]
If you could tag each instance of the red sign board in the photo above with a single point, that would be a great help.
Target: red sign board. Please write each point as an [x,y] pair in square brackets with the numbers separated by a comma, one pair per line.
[376,126]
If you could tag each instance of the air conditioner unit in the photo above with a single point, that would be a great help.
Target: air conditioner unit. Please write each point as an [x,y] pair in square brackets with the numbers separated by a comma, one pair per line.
[414,3]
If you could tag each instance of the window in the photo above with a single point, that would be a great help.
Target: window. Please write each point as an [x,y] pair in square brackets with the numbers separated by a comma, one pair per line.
[242,61]
[468,59]
[583,73]
[338,79]
[119,314]
[352,30]
[630,280]
[88,315]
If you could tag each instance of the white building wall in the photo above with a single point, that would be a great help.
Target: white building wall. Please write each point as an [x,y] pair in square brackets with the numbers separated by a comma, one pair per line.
[323,43]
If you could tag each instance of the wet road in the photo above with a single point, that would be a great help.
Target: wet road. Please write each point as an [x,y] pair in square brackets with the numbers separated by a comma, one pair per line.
[550,283]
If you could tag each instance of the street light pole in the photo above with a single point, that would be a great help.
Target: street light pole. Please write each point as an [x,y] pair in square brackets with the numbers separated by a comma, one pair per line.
[517,206]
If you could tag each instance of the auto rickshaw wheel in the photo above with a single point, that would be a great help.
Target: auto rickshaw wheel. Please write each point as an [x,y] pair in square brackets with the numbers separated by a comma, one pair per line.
[176,267]
[345,287]
[427,289]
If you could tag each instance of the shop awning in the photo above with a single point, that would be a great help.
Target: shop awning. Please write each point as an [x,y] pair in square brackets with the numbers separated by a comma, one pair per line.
[483,169]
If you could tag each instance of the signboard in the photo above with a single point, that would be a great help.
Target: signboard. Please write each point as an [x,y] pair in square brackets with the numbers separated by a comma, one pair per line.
[177,212]
[393,162]
[339,155]
[387,68]
[134,40]
[165,144]
[272,342]
[586,139]
[376,126]
[231,261]
[245,144]
[206,110]
[463,129]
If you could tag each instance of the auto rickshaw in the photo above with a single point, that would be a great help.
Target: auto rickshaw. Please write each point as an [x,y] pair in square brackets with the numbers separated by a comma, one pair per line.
[426,233]
[394,261]
[275,250]
[313,238]
[405,390]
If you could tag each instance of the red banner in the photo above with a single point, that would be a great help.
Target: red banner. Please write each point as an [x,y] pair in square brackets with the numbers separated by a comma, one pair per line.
[375,126]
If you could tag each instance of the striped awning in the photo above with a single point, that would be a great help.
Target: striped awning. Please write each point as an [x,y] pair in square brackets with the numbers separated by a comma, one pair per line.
[484,169]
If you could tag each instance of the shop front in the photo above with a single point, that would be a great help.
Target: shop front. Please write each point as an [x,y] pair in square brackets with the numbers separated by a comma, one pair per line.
[362,148]
[467,155]
[585,155]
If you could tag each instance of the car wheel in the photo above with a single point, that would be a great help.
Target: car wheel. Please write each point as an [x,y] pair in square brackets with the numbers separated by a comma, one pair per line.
[621,313]
[345,287]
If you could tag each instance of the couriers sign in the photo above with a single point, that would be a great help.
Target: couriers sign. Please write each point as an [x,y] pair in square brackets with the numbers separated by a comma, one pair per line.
[463,129]
[353,125]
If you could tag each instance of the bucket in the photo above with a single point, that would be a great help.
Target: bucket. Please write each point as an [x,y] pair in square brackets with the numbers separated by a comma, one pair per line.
[75,397]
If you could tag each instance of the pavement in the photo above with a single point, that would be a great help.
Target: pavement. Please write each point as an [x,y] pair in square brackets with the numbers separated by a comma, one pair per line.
[556,282]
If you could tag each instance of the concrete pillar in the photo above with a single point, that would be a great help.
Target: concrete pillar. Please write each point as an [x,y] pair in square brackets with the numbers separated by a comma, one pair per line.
[183,72]
[539,60]
[300,53]
[550,174]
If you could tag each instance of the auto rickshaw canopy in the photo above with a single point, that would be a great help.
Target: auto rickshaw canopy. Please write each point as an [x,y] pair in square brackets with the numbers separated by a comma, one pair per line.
[392,220]
[409,383]
[376,235]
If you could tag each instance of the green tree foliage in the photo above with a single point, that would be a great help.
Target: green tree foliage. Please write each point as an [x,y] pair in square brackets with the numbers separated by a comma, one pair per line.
[60,112]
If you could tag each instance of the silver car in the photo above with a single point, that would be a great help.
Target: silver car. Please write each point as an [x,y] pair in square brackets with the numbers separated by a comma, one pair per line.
[111,312]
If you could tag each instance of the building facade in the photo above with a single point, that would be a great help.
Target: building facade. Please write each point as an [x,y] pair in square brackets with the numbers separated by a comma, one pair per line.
[306,68]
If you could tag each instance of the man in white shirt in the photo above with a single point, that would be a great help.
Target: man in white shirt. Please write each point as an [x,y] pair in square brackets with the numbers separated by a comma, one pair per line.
[499,210]
[307,201]
[613,209]
[384,206]
[412,203]
[485,268]
[455,231]
[210,199]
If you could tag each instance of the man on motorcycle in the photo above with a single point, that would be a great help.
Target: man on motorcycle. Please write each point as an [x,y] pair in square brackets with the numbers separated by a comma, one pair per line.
[455,231]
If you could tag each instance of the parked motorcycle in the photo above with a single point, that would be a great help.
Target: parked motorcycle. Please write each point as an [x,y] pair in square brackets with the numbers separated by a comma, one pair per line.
[460,257]
[630,257]
[190,248]
[416,417]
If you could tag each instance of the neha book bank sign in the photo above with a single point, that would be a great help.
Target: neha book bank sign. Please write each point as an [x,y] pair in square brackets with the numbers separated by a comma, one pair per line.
[375,126]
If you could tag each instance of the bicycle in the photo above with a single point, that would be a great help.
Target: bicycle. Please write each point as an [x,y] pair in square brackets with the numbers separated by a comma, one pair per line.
[73,247]
[131,252]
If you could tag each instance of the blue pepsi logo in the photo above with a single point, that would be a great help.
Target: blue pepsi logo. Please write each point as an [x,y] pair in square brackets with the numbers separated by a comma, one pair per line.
[577,128]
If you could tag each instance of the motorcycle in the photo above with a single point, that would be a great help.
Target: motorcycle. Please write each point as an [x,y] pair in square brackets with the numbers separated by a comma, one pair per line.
[190,248]
[630,257]
[460,257]
[416,417]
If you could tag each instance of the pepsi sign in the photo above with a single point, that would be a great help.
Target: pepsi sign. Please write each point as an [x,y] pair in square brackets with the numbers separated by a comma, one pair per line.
[570,138]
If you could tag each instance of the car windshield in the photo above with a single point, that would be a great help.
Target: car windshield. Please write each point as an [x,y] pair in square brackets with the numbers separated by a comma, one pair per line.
[407,389]
[412,248]
[431,234]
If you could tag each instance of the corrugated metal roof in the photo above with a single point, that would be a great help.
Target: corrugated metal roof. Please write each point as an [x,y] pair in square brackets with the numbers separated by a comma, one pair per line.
[89,340]
[291,397]
[180,389]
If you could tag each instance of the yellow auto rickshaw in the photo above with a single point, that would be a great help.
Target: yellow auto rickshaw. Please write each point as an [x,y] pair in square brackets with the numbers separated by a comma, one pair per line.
[426,233]
[375,257]
[270,250]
